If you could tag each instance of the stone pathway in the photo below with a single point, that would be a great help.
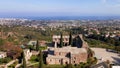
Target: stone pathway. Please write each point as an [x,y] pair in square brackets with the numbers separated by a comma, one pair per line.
[104,55]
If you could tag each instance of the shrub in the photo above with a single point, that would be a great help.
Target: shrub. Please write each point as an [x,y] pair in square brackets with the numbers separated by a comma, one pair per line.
[34,58]
[5,60]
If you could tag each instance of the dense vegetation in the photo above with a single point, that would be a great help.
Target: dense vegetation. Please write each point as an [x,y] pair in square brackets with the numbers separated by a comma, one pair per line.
[103,42]
[5,60]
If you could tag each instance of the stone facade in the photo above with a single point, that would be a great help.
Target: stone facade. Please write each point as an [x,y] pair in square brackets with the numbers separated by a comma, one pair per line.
[66,55]
[56,38]
[81,43]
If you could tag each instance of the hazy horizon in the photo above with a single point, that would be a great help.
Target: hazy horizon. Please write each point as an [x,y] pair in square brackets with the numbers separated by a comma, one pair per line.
[39,8]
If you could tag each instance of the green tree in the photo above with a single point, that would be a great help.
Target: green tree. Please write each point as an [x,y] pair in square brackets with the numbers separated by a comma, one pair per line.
[37,46]
[61,40]
[90,53]
[70,39]
[1,41]
[69,66]
[91,61]
[40,59]
[117,44]
[31,47]
[24,61]
[28,36]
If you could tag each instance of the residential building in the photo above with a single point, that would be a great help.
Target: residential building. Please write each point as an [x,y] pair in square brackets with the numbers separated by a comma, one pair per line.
[3,54]
[28,54]
[33,43]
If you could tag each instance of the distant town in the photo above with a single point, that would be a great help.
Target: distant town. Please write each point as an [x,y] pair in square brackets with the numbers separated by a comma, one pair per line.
[26,43]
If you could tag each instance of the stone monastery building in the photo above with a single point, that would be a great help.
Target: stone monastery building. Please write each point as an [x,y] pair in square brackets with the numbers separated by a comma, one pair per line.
[68,54]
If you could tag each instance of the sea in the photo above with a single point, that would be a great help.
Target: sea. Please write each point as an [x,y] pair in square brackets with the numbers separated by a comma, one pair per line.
[69,17]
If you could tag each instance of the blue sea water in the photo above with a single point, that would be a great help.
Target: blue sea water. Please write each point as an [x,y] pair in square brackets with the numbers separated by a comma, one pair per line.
[74,18]
[70,18]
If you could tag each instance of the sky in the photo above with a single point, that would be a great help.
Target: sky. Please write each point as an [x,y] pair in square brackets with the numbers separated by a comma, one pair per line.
[14,8]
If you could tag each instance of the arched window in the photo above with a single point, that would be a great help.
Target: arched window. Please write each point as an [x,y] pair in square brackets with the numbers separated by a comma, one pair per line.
[75,58]
[59,60]
[50,60]
[74,61]
[59,53]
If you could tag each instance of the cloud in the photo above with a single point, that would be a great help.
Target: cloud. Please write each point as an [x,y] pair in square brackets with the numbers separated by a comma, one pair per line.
[104,1]
[116,3]
[111,3]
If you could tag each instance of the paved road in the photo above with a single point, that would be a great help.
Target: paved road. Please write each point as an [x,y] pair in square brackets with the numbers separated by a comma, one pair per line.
[18,65]
[105,55]
[11,62]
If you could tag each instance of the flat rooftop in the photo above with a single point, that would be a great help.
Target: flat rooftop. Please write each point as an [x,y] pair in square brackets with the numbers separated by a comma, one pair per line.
[72,50]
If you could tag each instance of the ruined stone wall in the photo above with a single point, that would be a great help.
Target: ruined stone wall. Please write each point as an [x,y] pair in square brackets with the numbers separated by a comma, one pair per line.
[77,58]
[56,60]
[60,53]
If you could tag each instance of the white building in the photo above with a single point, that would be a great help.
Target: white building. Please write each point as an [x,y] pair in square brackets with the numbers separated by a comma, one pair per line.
[3,54]
[33,43]
[28,54]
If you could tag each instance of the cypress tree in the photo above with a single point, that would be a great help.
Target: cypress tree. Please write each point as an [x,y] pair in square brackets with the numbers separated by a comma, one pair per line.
[40,59]
[70,39]
[24,61]
[37,46]
[61,40]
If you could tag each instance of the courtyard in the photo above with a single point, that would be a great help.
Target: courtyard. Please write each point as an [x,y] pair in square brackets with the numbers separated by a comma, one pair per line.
[103,55]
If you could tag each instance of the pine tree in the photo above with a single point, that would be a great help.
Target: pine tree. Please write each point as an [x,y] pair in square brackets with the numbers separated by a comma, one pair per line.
[70,39]
[40,59]
[37,46]
[24,61]
[61,40]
